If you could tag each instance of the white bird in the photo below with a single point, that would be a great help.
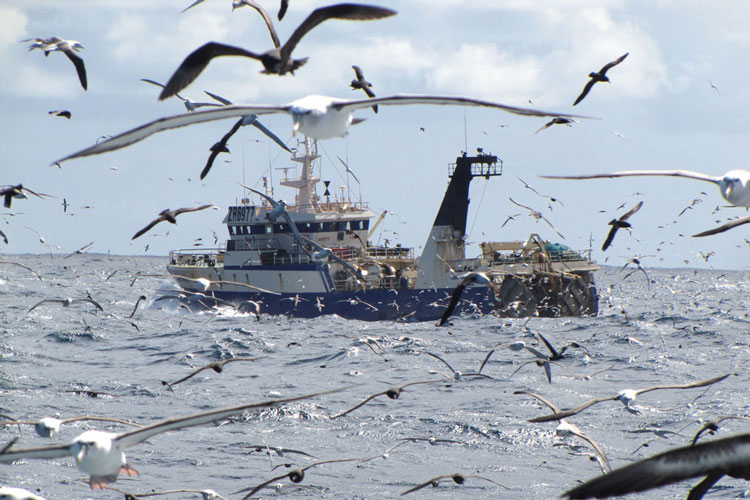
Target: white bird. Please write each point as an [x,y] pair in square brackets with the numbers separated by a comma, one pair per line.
[7,493]
[67,47]
[100,454]
[316,116]
[190,104]
[734,185]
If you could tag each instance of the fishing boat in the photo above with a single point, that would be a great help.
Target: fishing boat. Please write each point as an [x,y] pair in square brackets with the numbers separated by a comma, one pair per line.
[316,257]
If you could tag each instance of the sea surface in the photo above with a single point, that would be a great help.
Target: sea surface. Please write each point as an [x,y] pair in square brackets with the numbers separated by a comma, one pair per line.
[679,326]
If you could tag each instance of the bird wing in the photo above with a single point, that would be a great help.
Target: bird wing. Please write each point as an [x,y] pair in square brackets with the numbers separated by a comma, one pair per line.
[219,147]
[338,11]
[191,209]
[358,72]
[707,458]
[720,229]
[44,301]
[191,5]
[701,383]
[546,125]
[264,195]
[130,438]
[222,100]
[196,62]
[523,206]
[54,451]
[633,173]
[262,485]
[347,168]
[90,301]
[610,237]
[264,14]
[139,133]
[632,211]
[426,483]
[77,62]
[99,419]
[552,406]
[441,359]
[567,413]
[271,135]
[365,401]
[190,375]
[550,347]
[617,61]
[585,91]
[597,448]
[149,226]
[5,238]
[455,296]
[448,100]
[283,6]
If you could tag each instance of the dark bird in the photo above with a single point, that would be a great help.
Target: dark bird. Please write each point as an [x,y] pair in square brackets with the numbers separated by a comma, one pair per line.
[558,120]
[169,216]
[295,476]
[567,429]
[392,393]
[135,307]
[361,83]
[626,397]
[601,76]
[63,113]
[9,192]
[67,47]
[620,223]
[67,303]
[473,277]
[456,478]
[724,227]
[275,61]
[217,366]
[714,459]
[3,237]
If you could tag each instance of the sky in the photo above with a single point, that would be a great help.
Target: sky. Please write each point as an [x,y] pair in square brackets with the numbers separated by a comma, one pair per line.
[678,101]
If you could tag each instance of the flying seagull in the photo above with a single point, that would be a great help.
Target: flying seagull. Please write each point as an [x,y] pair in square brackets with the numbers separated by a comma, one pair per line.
[169,216]
[713,459]
[558,120]
[457,478]
[349,170]
[217,366]
[68,47]
[316,116]
[361,83]
[626,397]
[392,393]
[537,215]
[67,302]
[734,185]
[295,476]
[62,113]
[190,104]
[601,76]
[473,277]
[100,454]
[725,227]
[620,223]
[277,60]
[565,428]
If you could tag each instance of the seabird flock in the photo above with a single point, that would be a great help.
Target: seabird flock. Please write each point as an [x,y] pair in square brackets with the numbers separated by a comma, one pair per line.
[100,454]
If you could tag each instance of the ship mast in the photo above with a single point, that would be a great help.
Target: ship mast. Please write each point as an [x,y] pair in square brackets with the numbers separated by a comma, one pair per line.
[306,199]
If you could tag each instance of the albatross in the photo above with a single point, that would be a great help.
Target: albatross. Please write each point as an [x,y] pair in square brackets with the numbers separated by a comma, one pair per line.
[734,185]
[100,454]
[316,116]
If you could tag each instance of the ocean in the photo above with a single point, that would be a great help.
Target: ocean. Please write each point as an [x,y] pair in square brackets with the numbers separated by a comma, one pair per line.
[676,327]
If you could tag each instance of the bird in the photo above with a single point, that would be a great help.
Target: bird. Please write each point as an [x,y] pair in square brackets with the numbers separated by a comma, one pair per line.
[558,120]
[600,76]
[619,224]
[275,61]
[349,171]
[552,199]
[217,366]
[295,476]
[456,478]
[626,397]
[724,227]
[316,116]
[67,302]
[8,493]
[565,428]
[4,237]
[713,459]
[135,307]
[473,277]
[80,250]
[169,216]
[221,146]
[9,192]
[100,454]
[49,427]
[205,494]
[63,113]
[392,393]
[190,104]
[360,83]
[537,215]
[734,185]
[456,374]
[67,47]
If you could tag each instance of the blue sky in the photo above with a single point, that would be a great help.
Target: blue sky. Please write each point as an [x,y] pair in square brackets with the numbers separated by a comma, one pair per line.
[659,112]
